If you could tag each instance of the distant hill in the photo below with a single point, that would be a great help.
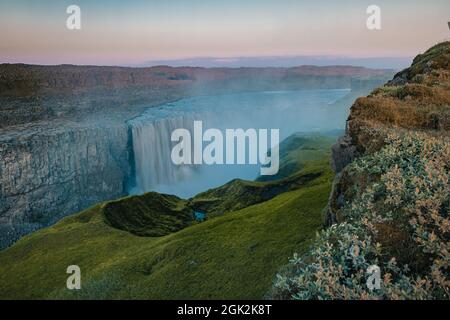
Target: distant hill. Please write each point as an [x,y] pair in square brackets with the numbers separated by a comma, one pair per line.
[22,79]
[284,62]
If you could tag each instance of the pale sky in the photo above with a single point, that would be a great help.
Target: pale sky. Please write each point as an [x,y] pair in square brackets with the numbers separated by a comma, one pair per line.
[135,31]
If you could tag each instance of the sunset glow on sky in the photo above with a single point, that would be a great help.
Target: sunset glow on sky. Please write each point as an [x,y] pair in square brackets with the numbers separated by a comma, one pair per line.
[132,32]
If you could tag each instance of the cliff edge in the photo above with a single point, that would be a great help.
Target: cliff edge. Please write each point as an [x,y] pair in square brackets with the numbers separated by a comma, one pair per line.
[416,100]
[388,217]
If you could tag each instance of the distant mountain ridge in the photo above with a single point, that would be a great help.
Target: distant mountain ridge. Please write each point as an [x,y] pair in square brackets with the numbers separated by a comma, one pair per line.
[31,93]
[283,62]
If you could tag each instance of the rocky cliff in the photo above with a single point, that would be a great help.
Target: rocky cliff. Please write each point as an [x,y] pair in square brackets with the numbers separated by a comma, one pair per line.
[388,223]
[416,99]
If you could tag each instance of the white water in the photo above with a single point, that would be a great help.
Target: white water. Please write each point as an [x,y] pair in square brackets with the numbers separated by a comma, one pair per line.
[289,111]
[152,150]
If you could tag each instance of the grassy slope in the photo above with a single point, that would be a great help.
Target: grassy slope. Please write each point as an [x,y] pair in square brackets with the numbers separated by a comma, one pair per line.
[235,255]
[296,152]
[152,214]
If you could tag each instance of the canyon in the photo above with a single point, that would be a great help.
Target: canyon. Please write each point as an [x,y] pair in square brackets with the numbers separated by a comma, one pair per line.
[387,200]
[65,136]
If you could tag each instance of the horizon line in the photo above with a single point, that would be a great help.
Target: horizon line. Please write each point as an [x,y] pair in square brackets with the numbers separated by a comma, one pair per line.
[136,66]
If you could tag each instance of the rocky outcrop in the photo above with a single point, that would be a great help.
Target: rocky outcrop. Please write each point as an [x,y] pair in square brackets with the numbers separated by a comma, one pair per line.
[417,98]
[343,152]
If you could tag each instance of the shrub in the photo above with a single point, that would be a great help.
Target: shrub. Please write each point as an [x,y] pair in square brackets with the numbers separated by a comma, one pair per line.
[398,220]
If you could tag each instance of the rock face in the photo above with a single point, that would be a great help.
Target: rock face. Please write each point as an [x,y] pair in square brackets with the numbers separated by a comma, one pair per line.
[343,152]
[46,176]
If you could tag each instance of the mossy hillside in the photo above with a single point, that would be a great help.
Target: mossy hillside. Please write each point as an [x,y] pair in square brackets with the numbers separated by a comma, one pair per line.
[238,194]
[428,66]
[299,151]
[308,152]
[417,98]
[151,214]
[232,256]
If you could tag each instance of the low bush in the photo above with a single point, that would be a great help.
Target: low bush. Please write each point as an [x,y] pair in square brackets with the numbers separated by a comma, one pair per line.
[397,220]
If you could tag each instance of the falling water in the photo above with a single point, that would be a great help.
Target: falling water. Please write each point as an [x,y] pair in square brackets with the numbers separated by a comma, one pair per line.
[152,150]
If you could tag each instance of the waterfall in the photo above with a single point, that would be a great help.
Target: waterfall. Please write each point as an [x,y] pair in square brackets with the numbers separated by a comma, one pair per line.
[152,149]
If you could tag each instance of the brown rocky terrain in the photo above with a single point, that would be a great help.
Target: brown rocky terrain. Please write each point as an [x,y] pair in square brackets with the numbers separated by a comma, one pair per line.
[417,98]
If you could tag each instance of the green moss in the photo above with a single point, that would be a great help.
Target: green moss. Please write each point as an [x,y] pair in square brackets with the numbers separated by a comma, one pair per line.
[435,57]
[151,214]
[299,151]
[430,62]
[304,158]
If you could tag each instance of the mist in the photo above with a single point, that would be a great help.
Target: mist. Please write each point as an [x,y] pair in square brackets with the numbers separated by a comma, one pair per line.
[289,111]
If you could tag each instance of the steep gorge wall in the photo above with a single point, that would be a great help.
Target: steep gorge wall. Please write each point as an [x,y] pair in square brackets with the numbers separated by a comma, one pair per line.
[46,176]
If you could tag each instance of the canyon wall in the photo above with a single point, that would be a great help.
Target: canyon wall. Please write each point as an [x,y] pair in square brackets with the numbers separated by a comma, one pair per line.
[46,176]
[31,93]
[64,139]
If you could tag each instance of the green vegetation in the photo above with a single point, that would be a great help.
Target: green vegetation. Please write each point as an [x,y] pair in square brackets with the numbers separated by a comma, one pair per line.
[231,256]
[398,219]
[151,215]
[393,202]
[299,151]
[435,60]
[303,160]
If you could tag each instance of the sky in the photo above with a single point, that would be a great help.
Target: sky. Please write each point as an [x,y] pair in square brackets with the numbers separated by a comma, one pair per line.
[136,32]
